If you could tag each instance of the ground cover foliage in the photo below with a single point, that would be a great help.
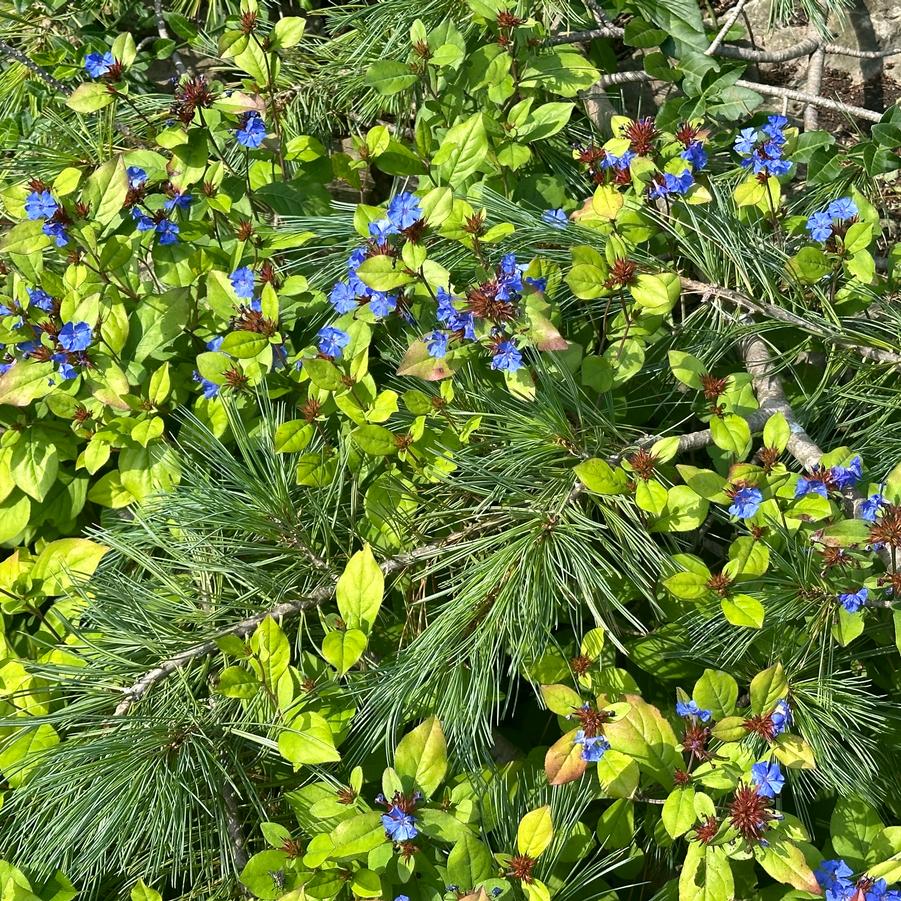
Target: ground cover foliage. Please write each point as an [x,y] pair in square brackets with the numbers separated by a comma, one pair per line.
[428,473]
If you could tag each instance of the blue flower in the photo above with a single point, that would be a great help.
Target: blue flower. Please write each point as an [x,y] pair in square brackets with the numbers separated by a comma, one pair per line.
[332,341]
[65,369]
[167,232]
[404,210]
[877,891]
[509,277]
[593,747]
[690,708]
[215,343]
[252,131]
[342,298]
[5,367]
[179,200]
[768,778]
[812,485]
[781,717]
[209,389]
[436,344]
[612,161]
[671,184]
[97,64]
[853,601]
[402,898]
[745,141]
[136,176]
[142,220]
[6,311]
[746,502]
[539,284]
[506,357]
[555,218]
[399,825]
[382,229]
[842,209]
[242,280]
[695,154]
[847,476]
[773,128]
[869,509]
[57,231]
[256,304]
[40,205]
[40,299]
[382,304]
[75,336]
[820,226]
[834,877]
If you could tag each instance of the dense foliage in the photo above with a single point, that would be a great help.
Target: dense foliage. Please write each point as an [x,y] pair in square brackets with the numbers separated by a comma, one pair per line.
[427,473]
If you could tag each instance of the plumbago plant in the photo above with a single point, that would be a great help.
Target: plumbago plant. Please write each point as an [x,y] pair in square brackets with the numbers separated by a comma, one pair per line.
[517,531]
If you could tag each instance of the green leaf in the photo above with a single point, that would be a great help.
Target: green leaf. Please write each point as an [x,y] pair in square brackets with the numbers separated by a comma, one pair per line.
[462,150]
[544,121]
[259,871]
[422,756]
[34,465]
[785,862]
[238,682]
[293,436]
[308,741]
[469,863]
[587,281]
[854,827]
[678,812]
[25,381]
[375,440]
[732,434]
[381,273]
[706,874]
[688,586]
[560,699]
[794,752]
[343,649]
[106,189]
[743,610]
[271,650]
[618,774]
[143,892]
[717,692]
[243,345]
[360,590]
[644,735]
[357,836]
[389,76]
[563,72]
[90,97]
[598,476]
[535,831]
[767,689]
[19,756]
[563,761]
[776,431]
[60,560]
[287,32]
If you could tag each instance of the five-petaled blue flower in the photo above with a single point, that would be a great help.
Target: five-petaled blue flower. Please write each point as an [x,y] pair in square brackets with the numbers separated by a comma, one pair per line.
[506,357]
[382,229]
[436,344]
[57,231]
[555,218]
[136,176]
[690,708]
[381,304]
[399,825]
[75,336]
[404,210]
[869,509]
[811,485]
[768,778]
[820,226]
[178,201]
[695,154]
[593,746]
[842,209]
[242,280]
[65,369]
[209,389]
[621,163]
[834,877]
[746,502]
[40,205]
[252,131]
[98,64]
[332,341]
[142,220]
[852,601]
[39,298]
[167,231]
[671,184]
[342,298]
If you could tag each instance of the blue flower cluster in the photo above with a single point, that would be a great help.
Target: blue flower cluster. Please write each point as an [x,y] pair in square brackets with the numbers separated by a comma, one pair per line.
[593,746]
[251,131]
[852,601]
[332,341]
[665,183]
[690,708]
[762,149]
[41,204]
[695,154]
[821,226]
[399,822]
[870,507]
[745,502]
[98,64]
[836,879]
[820,480]
[781,717]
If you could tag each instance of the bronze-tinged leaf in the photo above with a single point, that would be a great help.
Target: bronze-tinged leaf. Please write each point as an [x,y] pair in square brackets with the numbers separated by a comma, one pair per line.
[417,362]
[563,762]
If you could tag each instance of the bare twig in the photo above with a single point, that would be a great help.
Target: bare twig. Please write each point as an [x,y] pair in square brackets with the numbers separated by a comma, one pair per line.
[583,37]
[43,74]
[245,627]
[734,13]
[773,312]
[234,829]
[815,66]
[164,34]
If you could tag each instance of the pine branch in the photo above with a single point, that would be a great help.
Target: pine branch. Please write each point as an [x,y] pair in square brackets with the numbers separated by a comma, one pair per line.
[43,74]
[164,34]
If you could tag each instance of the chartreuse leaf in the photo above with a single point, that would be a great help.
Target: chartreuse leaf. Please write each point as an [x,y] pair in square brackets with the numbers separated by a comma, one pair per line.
[644,735]
[64,559]
[561,699]
[360,590]
[678,812]
[706,874]
[143,892]
[618,774]
[308,740]
[469,863]
[776,431]
[343,649]
[535,831]
[794,752]
[767,689]
[717,692]
[598,476]
[271,650]
[422,756]
[785,862]
[854,827]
